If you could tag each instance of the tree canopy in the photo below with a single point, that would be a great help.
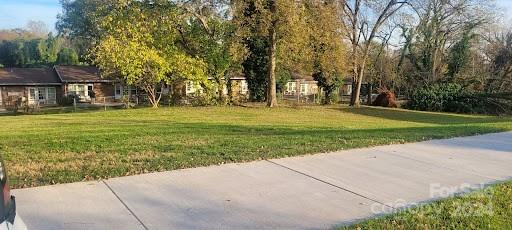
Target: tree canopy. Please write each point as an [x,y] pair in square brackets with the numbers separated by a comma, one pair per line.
[396,45]
[138,45]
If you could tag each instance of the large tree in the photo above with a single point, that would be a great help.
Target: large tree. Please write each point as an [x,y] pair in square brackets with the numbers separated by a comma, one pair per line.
[138,45]
[205,31]
[499,54]
[327,48]
[441,36]
[271,25]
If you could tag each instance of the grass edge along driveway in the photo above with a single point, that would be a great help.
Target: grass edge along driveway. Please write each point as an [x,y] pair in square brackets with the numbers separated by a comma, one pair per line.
[63,148]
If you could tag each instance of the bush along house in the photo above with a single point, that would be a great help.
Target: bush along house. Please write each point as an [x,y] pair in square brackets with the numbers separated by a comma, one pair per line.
[29,86]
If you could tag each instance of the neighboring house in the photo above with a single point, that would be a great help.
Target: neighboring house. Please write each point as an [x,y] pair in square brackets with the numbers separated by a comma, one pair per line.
[346,88]
[45,86]
[35,86]
[238,83]
[301,85]
[86,82]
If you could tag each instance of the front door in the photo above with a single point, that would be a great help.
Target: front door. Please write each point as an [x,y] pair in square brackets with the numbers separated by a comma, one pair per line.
[118,91]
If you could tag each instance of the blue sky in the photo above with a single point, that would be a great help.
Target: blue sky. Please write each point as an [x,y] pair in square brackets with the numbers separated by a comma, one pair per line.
[16,13]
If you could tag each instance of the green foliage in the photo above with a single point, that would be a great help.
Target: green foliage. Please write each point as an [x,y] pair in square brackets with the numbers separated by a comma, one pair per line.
[329,82]
[255,67]
[203,99]
[268,33]
[435,98]
[11,54]
[140,48]
[80,21]
[251,47]
[68,100]
[67,56]
[52,45]
[459,54]
[327,48]
[453,97]
[31,52]
[282,78]
[205,32]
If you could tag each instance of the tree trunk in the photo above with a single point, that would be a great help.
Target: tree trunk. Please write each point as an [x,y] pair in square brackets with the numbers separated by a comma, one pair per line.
[271,89]
[355,41]
[354,74]
[353,93]
[357,94]
[153,96]
[220,91]
[370,89]
[434,66]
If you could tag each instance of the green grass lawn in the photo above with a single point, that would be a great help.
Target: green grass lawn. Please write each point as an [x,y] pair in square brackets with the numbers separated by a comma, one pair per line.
[490,208]
[60,148]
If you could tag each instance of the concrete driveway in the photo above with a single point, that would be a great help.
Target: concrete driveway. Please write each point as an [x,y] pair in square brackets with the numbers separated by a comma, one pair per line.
[311,192]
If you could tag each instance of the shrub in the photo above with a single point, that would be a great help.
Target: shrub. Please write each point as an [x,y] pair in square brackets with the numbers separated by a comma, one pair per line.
[386,98]
[457,99]
[68,100]
[203,99]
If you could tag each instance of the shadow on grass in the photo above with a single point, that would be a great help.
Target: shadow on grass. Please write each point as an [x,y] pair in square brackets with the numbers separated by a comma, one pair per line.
[423,117]
[118,151]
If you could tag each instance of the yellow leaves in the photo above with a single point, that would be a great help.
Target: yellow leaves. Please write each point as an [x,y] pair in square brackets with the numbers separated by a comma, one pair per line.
[184,67]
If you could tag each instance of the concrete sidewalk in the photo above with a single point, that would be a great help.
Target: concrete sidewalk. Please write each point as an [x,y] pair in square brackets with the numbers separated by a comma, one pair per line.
[312,192]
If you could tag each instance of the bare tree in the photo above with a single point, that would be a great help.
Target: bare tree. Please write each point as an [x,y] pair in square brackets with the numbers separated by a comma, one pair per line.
[364,19]
[37,28]
[441,23]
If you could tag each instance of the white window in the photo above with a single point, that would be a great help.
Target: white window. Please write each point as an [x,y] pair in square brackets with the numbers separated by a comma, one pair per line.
[42,95]
[81,90]
[244,87]
[349,89]
[123,90]
[190,87]
[51,95]
[118,91]
[291,87]
[41,92]
[131,90]
[32,95]
[303,89]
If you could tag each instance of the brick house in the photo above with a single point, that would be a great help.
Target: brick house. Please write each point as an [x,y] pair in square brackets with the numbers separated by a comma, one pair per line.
[34,86]
[303,86]
[50,86]
[86,82]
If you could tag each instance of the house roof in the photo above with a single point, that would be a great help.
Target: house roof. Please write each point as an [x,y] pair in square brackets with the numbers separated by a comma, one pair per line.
[297,76]
[232,76]
[236,76]
[79,74]
[28,76]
